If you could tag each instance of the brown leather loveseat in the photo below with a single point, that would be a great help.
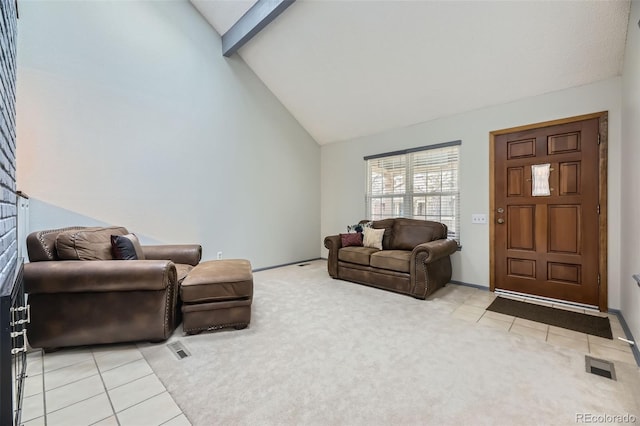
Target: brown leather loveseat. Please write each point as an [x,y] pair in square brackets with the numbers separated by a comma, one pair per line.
[414,259]
[79,295]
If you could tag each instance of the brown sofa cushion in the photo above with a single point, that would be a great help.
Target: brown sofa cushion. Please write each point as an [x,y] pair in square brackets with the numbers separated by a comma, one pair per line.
[394,260]
[408,233]
[87,244]
[218,280]
[359,255]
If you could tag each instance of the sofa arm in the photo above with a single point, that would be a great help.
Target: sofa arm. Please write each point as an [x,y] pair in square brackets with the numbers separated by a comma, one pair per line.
[436,249]
[333,243]
[189,254]
[91,276]
[431,266]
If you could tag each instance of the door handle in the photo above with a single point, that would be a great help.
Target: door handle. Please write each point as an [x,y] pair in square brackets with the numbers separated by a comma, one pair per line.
[501,221]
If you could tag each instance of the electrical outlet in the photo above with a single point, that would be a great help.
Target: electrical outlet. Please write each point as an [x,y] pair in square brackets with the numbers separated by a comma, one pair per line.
[479,218]
[219,256]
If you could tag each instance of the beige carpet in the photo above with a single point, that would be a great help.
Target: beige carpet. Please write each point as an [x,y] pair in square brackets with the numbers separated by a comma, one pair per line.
[326,352]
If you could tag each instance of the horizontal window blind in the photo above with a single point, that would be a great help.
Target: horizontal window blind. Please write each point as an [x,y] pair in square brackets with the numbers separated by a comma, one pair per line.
[418,183]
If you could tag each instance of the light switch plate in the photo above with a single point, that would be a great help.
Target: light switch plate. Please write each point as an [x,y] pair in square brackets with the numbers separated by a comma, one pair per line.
[478,218]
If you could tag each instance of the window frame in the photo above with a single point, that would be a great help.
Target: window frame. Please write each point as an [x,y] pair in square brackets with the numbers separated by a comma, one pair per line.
[402,193]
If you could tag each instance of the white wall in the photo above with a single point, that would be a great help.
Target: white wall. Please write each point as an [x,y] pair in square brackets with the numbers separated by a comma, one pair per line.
[630,206]
[128,114]
[343,169]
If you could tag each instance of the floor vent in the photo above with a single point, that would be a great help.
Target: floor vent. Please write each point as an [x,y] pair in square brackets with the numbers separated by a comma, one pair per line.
[600,367]
[179,350]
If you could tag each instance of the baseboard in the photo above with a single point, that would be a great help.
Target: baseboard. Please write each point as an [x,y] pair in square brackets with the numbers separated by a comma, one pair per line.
[478,286]
[628,334]
[285,264]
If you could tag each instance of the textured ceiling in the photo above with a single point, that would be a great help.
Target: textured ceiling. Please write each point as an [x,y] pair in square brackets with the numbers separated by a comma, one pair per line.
[346,69]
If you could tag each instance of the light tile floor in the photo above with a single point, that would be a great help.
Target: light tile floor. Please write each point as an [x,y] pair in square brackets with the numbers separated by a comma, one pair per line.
[472,309]
[105,385]
[114,385]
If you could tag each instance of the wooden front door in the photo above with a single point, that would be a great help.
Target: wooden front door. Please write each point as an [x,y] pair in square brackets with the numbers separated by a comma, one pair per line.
[547,241]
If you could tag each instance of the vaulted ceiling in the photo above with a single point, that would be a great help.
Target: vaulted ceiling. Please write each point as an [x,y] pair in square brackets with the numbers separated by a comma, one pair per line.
[350,68]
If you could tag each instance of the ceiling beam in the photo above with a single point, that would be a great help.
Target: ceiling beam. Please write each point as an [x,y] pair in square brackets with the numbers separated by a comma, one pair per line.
[255,19]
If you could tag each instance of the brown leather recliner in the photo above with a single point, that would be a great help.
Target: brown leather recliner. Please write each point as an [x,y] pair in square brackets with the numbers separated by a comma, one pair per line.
[83,302]
[414,260]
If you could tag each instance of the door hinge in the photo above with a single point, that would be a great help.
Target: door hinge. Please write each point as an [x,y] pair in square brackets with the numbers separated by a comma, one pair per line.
[598,208]
[598,138]
[598,280]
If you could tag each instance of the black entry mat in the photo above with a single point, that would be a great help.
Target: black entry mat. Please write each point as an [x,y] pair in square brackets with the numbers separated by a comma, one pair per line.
[590,324]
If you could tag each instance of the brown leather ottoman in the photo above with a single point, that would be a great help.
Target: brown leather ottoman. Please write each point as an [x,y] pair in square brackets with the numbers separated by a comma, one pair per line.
[217,294]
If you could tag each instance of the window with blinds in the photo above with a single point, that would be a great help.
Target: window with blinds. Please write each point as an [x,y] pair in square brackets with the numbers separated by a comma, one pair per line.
[420,183]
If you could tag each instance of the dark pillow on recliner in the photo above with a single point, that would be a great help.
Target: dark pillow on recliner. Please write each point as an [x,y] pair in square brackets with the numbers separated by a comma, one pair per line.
[126,247]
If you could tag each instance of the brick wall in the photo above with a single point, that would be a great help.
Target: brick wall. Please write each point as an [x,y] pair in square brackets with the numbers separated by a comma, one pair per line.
[8,33]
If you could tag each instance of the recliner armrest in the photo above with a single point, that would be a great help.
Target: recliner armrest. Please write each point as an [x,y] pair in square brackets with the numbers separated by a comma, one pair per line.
[89,276]
[189,254]
[436,249]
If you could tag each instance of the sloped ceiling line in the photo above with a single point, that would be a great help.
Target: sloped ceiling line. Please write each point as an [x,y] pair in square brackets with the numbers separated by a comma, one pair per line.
[347,69]
[255,19]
